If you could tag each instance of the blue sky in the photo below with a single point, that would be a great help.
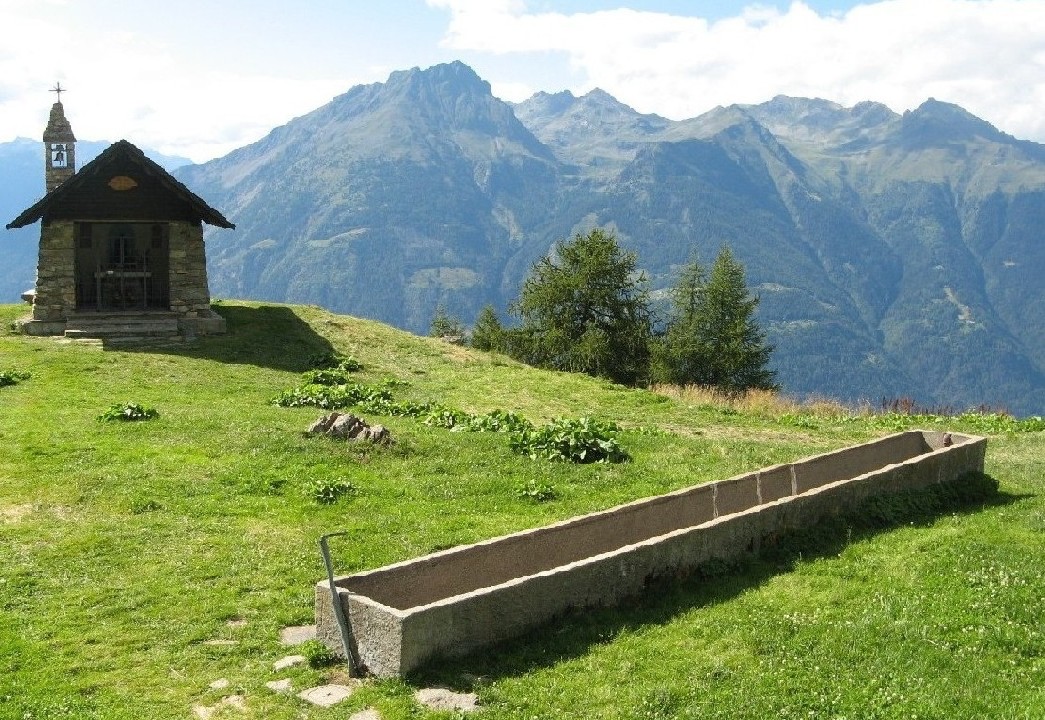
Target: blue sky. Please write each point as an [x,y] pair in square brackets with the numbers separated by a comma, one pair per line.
[200,78]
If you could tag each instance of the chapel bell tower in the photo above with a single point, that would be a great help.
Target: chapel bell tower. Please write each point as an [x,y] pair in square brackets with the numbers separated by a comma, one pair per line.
[59,145]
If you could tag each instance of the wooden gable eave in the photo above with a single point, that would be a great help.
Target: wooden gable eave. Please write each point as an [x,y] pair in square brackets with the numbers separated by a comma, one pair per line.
[125,154]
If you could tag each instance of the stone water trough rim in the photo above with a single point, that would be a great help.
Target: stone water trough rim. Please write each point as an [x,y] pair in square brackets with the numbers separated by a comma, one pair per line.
[913,446]
[342,580]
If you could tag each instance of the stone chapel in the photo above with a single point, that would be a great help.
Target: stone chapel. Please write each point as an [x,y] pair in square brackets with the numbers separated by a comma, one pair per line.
[121,246]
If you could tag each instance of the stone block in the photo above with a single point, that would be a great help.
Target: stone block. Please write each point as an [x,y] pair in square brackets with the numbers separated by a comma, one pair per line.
[775,483]
[736,494]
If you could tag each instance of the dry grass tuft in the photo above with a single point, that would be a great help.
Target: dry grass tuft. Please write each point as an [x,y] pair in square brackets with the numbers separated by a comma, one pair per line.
[766,403]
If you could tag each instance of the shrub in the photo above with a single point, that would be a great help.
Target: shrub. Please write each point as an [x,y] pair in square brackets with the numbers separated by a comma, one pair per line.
[128,412]
[579,441]
[487,333]
[446,326]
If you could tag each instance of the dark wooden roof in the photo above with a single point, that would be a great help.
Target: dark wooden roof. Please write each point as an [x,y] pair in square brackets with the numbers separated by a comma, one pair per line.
[93,194]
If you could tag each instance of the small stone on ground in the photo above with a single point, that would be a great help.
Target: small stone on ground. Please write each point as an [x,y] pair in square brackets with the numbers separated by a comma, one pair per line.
[443,699]
[219,684]
[280,686]
[288,661]
[297,634]
[325,695]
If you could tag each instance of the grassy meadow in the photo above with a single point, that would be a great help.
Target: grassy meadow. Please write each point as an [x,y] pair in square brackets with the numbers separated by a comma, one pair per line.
[142,561]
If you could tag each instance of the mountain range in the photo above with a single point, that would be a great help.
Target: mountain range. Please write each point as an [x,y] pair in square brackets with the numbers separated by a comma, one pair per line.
[894,255]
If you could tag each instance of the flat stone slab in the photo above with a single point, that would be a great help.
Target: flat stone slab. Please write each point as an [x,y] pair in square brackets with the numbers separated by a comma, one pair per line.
[326,695]
[297,634]
[443,699]
[288,661]
[280,686]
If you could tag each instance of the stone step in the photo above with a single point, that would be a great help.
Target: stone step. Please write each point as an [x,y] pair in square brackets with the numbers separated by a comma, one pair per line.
[122,325]
[115,331]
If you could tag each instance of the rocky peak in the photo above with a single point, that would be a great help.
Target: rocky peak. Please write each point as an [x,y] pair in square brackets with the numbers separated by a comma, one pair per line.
[935,123]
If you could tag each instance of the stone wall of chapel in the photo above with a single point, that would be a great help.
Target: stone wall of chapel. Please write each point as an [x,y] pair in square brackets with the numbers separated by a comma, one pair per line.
[190,295]
[55,272]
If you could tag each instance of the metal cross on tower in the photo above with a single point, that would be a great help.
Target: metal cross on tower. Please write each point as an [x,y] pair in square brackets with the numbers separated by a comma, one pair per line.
[58,89]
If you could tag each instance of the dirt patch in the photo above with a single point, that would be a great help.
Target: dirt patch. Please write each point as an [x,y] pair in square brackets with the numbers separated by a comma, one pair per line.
[14,513]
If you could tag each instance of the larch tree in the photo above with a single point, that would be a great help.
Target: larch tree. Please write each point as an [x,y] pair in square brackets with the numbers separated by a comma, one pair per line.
[584,308]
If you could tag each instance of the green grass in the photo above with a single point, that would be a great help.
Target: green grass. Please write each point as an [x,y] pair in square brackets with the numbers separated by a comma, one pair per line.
[127,548]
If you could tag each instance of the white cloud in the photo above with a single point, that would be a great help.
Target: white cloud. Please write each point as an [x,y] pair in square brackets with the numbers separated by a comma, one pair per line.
[130,84]
[985,55]
[197,86]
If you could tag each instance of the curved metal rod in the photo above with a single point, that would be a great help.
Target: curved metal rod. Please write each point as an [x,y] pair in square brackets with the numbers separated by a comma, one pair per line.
[347,641]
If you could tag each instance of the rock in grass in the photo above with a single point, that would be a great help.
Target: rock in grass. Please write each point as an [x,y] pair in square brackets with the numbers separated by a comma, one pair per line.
[347,426]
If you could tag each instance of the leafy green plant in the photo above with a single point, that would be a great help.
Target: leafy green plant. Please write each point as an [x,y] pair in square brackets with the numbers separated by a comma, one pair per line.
[12,377]
[579,441]
[128,412]
[349,364]
[316,654]
[333,360]
[331,397]
[328,490]
[494,421]
[324,377]
[445,418]
[536,491]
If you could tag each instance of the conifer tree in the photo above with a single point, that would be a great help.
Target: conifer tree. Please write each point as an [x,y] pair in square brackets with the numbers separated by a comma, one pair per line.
[487,333]
[713,338]
[445,326]
[681,357]
[584,309]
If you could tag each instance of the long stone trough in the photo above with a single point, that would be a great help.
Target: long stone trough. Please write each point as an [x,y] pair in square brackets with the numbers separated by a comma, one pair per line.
[456,601]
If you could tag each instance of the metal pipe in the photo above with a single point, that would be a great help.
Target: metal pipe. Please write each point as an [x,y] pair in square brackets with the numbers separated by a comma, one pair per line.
[347,641]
